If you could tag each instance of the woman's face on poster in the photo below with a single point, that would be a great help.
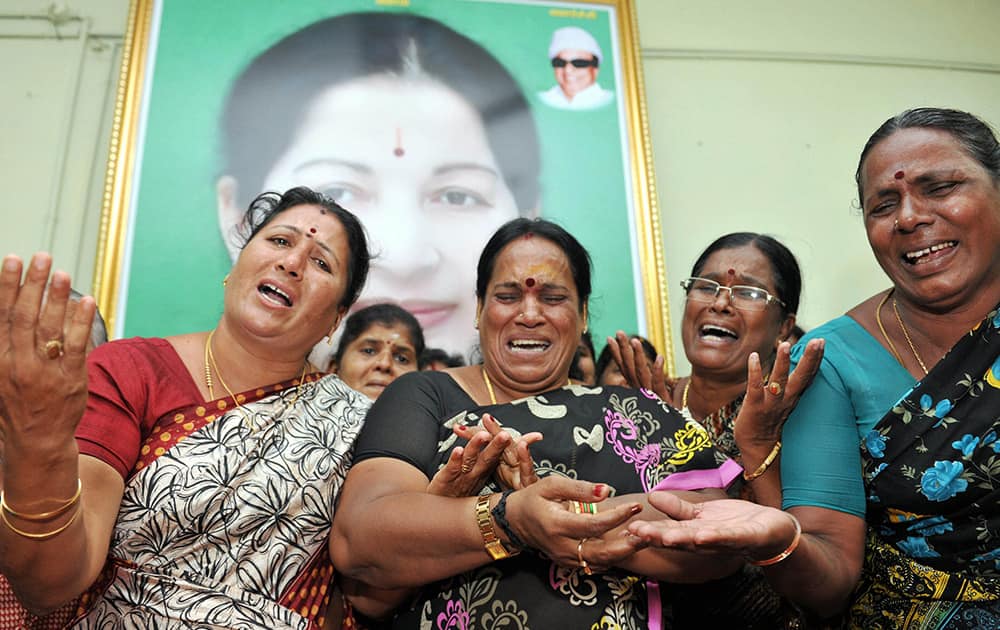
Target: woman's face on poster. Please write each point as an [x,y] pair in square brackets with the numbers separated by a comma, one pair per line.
[411,159]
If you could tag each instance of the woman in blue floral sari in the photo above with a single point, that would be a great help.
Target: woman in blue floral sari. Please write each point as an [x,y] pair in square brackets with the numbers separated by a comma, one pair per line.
[912,373]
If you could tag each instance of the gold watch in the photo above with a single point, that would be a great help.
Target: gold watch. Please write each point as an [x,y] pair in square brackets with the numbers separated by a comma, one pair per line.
[490,540]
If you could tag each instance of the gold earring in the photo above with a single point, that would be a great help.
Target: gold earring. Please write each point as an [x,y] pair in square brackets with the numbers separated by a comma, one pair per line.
[225,280]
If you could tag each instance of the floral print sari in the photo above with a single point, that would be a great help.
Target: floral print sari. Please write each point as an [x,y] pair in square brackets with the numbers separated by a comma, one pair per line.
[225,519]
[932,474]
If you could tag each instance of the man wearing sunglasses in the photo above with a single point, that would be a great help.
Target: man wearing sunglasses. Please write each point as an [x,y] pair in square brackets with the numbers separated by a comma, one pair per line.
[575,57]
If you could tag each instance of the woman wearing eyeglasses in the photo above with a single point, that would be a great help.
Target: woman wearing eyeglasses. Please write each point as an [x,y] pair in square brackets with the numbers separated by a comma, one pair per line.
[741,299]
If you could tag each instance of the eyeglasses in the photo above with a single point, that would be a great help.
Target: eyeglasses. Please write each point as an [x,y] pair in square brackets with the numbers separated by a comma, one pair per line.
[743,297]
[559,62]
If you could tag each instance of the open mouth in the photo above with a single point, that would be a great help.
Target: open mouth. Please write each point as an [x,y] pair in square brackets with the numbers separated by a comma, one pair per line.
[274,294]
[928,253]
[717,332]
[528,345]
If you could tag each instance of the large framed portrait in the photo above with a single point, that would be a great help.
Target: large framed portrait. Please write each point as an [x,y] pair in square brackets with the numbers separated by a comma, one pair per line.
[435,121]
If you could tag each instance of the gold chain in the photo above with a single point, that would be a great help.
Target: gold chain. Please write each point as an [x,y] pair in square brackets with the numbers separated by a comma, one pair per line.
[906,334]
[210,361]
[684,394]
[489,385]
[878,319]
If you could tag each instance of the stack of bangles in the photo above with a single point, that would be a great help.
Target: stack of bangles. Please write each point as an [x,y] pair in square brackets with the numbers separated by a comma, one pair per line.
[788,550]
[42,517]
[583,508]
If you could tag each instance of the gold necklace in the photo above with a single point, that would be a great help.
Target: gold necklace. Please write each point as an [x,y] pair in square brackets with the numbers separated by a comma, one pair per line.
[906,334]
[210,361]
[489,385]
[684,394]
[878,319]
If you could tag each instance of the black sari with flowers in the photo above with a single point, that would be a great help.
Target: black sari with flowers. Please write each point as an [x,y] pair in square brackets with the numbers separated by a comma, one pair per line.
[932,475]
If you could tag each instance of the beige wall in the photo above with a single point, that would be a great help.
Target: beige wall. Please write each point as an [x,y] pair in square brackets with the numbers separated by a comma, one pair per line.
[58,67]
[757,113]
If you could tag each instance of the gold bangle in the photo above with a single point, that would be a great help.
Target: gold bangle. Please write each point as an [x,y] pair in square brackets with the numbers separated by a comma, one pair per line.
[767,462]
[42,516]
[788,550]
[43,535]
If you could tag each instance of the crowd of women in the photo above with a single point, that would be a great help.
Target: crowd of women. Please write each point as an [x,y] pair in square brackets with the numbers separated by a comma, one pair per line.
[221,479]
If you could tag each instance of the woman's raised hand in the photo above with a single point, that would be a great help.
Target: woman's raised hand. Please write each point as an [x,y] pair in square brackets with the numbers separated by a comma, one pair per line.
[636,368]
[43,376]
[539,516]
[768,404]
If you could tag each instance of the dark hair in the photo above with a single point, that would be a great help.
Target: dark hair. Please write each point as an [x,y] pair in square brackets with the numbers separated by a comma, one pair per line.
[576,254]
[574,368]
[975,137]
[289,75]
[784,267]
[430,355]
[386,314]
[268,205]
[606,358]
[98,329]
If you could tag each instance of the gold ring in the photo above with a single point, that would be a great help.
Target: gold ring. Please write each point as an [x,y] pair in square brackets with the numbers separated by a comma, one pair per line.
[466,468]
[53,348]
[774,387]
[579,556]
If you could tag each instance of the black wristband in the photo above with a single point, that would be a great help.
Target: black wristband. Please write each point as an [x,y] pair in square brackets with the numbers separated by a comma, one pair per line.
[499,513]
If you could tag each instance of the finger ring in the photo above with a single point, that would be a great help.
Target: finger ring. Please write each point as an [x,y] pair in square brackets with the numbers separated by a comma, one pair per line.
[579,556]
[774,387]
[53,348]
[466,468]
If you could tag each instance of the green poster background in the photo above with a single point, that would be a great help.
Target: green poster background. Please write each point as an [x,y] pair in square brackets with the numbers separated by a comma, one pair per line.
[178,258]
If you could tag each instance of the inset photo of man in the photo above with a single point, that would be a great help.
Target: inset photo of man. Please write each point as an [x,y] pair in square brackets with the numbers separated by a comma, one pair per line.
[576,58]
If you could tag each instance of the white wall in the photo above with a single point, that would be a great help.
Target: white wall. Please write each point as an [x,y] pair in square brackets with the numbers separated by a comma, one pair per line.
[758,111]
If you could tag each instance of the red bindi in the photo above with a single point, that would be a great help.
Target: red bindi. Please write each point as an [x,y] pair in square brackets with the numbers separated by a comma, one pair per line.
[530,282]
[731,272]
[899,175]
[399,151]
[312,230]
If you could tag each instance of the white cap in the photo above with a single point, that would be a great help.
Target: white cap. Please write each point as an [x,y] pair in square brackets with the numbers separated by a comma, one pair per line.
[573,38]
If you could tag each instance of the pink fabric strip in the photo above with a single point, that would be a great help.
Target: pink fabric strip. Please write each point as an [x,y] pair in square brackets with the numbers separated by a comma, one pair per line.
[719,477]
[654,607]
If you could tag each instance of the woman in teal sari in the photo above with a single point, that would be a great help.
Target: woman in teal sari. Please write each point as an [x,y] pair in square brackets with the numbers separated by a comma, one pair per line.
[911,376]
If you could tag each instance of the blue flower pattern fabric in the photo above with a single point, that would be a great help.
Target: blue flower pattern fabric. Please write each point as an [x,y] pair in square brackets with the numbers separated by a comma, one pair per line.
[932,477]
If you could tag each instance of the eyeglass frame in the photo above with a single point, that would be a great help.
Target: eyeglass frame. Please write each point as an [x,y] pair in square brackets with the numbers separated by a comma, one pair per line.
[580,64]
[769,297]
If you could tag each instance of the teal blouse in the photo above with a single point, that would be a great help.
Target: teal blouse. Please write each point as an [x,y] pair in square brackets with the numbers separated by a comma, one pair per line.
[858,382]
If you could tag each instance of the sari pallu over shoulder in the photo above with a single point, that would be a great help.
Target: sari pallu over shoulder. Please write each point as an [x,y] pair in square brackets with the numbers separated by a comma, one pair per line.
[932,475]
[225,519]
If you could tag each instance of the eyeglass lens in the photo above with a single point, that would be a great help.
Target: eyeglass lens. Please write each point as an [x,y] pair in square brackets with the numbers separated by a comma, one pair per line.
[743,297]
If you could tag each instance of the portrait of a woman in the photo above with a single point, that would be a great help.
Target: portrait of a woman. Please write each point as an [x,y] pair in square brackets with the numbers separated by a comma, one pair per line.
[411,125]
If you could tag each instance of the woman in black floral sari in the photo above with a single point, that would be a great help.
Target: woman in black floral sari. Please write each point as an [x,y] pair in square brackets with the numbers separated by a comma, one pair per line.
[524,552]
